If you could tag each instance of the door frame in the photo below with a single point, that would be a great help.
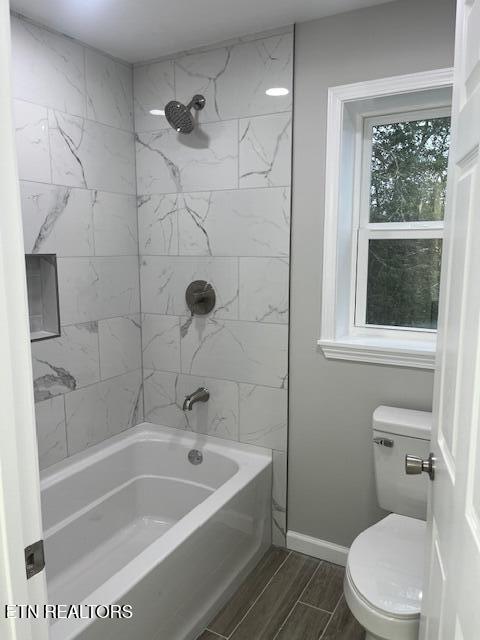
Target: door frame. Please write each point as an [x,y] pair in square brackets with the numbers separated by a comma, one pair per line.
[20,513]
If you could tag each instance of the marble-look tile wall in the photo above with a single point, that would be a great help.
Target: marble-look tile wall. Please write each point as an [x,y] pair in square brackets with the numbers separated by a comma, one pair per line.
[73,109]
[215,205]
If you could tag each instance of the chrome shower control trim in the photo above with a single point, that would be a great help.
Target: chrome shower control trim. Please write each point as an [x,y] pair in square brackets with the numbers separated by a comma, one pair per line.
[200,297]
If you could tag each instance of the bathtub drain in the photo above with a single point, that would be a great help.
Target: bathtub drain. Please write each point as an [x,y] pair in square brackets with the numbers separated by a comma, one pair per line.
[195,456]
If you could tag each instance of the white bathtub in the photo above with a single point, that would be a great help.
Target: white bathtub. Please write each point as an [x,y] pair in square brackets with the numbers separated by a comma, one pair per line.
[132,521]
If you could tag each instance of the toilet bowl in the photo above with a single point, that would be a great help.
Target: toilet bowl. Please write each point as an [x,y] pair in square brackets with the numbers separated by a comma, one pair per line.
[384,574]
[383,580]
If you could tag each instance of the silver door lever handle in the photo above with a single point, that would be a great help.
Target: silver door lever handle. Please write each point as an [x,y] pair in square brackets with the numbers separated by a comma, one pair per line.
[415,465]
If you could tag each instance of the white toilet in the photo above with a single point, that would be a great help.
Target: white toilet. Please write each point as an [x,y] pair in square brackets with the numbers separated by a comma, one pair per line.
[384,576]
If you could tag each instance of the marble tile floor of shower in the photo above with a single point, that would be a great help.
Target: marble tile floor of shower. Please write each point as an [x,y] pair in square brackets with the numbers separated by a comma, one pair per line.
[287,596]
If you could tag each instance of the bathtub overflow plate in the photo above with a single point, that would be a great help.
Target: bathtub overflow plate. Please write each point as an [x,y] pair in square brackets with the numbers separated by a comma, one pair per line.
[195,456]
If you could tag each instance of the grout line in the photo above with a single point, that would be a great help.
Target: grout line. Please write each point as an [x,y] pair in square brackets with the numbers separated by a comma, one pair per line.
[85,83]
[204,256]
[331,618]
[128,315]
[218,319]
[132,107]
[67,447]
[339,599]
[179,343]
[215,633]
[307,604]
[157,193]
[90,257]
[91,189]
[201,124]
[299,601]
[50,155]
[174,73]
[238,153]
[238,391]
[284,622]
[310,581]
[221,190]
[260,594]
[140,136]
[93,196]
[67,114]
[90,385]
[177,218]
[208,377]
[324,630]
[187,191]
[99,351]
[235,189]
[140,313]
[240,297]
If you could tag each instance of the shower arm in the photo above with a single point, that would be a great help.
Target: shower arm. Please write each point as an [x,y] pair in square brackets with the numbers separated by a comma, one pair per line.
[197,103]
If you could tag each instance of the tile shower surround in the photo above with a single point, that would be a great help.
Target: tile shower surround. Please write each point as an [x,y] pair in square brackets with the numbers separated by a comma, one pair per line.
[73,110]
[214,205]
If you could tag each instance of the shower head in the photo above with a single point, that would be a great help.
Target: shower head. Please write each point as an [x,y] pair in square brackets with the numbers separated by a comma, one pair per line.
[180,117]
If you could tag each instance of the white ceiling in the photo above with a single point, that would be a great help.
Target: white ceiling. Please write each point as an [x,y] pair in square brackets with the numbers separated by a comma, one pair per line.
[137,30]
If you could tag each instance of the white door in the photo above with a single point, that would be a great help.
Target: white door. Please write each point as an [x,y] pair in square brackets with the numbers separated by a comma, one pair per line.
[452,598]
[20,518]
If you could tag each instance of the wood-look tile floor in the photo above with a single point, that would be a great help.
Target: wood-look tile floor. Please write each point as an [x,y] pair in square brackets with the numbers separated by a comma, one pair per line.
[287,596]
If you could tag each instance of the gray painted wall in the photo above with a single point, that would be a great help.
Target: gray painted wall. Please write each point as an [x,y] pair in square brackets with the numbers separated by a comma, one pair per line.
[331,492]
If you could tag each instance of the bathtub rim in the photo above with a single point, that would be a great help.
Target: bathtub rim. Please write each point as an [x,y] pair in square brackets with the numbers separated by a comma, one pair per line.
[251,459]
[241,453]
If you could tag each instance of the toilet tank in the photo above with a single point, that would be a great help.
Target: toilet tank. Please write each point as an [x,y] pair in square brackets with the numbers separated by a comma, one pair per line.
[406,431]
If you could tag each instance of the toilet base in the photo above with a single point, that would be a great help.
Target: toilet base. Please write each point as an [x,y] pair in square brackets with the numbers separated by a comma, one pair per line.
[370,636]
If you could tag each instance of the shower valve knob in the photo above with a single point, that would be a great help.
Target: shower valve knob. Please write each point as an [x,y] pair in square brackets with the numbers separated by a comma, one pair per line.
[200,297]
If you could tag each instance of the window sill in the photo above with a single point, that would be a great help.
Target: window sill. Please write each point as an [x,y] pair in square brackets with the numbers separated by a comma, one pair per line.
[400,353]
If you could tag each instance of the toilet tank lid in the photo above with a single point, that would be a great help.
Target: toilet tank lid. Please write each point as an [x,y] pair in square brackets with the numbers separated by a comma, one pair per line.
[403,422]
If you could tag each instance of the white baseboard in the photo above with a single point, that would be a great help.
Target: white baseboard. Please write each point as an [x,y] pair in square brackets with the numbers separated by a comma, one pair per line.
[317,548]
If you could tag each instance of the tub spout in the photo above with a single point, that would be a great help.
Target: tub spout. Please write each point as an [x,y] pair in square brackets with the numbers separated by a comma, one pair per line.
[202,394]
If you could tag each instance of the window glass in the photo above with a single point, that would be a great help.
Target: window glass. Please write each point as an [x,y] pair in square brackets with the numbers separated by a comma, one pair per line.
[409,170]
[403,282]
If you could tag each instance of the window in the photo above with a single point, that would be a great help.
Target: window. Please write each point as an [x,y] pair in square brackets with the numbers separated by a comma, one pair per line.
[387,155]
[402,204]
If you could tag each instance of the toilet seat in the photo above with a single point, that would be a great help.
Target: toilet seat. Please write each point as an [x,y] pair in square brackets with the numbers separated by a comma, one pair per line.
[384,577]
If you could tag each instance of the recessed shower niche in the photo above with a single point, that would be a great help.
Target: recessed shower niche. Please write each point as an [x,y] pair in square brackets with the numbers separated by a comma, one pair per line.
[42,287]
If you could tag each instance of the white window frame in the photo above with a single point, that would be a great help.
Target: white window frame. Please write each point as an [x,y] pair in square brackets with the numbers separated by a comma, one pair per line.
[346,232]
[367,231]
